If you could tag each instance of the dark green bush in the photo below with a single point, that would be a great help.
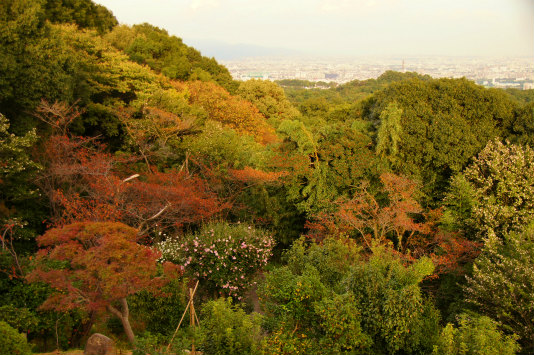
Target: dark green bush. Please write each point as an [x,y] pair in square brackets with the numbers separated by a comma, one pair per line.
[159,315]
[12,342]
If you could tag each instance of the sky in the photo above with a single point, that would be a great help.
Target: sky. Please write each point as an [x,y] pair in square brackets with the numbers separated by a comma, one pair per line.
[346,28]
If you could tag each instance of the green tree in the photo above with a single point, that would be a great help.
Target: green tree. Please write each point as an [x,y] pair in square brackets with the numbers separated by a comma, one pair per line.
[443,123]
[153,46]
[389,134]
[23,26]
[306,304]
[474,336]
[521,130]
[502,285]
[328,160]
[495,193]
[269,98]
[16,172]
[332,296]
[85,13]
[393,310]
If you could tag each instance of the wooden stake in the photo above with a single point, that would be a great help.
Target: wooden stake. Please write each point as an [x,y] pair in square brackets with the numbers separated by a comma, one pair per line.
[192,319]
[183,315]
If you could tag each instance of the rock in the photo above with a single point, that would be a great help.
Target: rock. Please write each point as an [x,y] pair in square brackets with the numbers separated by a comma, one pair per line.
[99,344]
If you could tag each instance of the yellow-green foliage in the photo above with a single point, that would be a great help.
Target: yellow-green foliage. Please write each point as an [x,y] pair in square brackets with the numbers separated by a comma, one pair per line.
[227,330]
[12,342]
[502,285]
[494,195]
[475,336]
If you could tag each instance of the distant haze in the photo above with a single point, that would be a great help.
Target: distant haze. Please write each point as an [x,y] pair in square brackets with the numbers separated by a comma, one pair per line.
[227,29]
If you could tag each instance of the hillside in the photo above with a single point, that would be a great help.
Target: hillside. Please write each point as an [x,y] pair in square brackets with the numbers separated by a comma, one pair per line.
[386,216]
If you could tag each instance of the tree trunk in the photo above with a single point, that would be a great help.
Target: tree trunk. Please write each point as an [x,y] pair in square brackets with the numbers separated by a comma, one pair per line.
[123,315]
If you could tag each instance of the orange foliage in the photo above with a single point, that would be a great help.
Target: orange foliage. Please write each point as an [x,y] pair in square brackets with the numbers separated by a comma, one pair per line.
[96,264]
[232,111]
[451,252]
[400,220]
[399,217]
[83,184]
[248,175]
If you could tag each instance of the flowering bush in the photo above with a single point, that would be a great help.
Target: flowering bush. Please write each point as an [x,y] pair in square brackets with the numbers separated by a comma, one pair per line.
[224,257]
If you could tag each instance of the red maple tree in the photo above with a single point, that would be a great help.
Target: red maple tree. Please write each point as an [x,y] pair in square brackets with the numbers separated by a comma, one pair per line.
[84,183]
[95,266]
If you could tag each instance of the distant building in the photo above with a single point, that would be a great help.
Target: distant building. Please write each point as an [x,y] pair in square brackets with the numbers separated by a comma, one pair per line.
[528,86]
[262,76]
[332,76]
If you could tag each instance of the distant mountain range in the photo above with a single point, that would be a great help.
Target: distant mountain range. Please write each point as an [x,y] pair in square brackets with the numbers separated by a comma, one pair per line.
[227,51]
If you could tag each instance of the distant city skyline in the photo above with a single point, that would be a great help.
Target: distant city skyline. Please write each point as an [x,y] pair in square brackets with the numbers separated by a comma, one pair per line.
[505,72]
[343,28]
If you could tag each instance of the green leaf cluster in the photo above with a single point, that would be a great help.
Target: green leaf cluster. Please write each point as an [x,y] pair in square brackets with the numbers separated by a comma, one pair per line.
[333,297]
[12,341]
[475,336]
[502,286]
[494,195]
[154,47]
[226,329]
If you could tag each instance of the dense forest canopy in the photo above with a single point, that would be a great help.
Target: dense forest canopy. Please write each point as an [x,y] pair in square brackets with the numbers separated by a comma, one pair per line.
[384,216]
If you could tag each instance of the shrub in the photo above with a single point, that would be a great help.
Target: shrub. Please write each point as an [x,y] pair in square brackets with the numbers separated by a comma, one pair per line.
[21,319]
[227,329]
[12,342]
[305,313]
[160,315]
[328,296]
[224,257]
[289,298]
[285,342]
[148,343]
[340,323]
[332,259]
[391,303]
[475,336]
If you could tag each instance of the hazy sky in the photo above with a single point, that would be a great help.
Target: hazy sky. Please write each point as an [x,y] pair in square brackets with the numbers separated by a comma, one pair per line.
[346,27]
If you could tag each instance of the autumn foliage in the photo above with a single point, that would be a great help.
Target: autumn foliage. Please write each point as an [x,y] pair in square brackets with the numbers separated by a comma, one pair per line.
[395,218]
[86,184]
[94,265]
[232,111]
[399,217]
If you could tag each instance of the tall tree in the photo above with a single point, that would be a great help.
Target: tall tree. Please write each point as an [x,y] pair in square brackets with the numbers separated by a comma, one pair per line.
[269,98]
[85,13]
[443,123]
[502,284]
[495,193]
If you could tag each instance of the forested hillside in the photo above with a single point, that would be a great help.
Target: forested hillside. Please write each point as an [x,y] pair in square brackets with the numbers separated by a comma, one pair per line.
[387,216]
